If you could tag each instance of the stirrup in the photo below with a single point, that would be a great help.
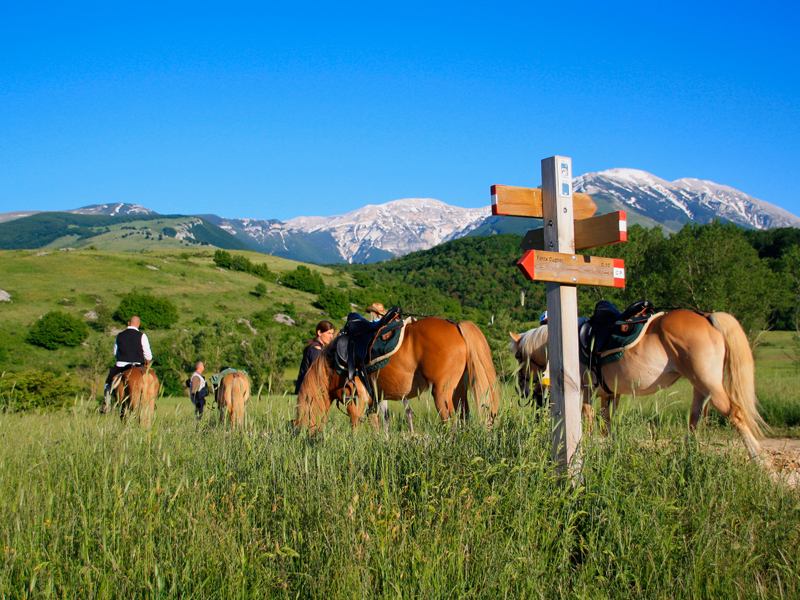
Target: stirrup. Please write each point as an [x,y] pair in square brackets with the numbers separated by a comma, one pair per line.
[350,397]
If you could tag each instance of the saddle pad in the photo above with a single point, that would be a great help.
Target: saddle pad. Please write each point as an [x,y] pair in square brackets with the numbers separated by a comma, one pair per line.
[385,344]
[618,342]
[217,378]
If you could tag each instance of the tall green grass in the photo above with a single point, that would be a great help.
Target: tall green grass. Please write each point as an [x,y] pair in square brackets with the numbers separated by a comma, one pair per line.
[91,508]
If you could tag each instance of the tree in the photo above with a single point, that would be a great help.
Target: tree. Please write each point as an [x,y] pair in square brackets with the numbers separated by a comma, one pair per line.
[334,302]
[35,389]
[96,360]
[304,279]
[155,312]
[57,329]
[713,268]
[363,280]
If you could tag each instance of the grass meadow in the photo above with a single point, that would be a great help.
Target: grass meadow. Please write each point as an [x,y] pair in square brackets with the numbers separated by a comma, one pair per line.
[93,508]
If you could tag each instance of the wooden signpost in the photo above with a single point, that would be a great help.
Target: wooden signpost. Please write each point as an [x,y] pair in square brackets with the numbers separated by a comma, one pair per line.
[611,228]
[569,225]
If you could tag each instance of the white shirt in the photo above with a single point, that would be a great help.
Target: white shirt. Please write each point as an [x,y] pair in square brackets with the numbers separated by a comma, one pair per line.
[148,354]
[201,383]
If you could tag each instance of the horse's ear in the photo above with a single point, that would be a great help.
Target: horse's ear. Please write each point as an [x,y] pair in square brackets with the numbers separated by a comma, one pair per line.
[515,336]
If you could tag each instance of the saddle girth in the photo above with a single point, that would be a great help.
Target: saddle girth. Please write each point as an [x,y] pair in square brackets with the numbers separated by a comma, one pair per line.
[610,327]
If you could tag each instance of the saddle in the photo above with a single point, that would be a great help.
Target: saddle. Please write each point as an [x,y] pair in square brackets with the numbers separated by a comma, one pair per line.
[610,329]
[363,346]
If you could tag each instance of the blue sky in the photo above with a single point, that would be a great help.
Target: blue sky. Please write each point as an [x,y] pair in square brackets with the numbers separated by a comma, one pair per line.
[270,111]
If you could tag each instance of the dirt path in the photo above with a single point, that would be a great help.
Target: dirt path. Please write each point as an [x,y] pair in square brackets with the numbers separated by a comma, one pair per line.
[785,456]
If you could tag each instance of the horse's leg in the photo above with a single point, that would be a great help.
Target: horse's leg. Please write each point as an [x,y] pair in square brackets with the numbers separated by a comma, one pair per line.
[461,399]
[721,401]
[120,397]
[384,406]
[587,412]
[409,414]
[443,399]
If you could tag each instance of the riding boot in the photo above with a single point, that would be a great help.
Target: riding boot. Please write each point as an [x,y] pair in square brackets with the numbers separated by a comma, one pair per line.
[106,406]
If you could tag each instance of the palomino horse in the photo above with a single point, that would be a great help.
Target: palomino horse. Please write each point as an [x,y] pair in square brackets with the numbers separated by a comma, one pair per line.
[711,352]
[137,392]
[451,359]
[233,393]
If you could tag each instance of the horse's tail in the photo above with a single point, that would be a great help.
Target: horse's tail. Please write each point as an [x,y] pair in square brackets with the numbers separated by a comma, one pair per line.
[739,375]
[314,396]
[482,378]
[236,396]
[148,394]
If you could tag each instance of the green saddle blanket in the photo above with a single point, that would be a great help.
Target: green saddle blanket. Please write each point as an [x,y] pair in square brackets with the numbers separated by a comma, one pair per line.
[618,342]
[217,378]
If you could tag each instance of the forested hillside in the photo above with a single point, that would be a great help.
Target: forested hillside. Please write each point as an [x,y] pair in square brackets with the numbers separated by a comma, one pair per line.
[754,275]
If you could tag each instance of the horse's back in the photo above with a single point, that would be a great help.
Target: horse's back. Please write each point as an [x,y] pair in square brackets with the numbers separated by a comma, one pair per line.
[685,329]
[429,338]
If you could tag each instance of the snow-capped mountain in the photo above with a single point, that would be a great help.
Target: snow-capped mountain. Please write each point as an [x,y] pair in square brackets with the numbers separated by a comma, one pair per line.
[374,232]
[379,232]
[672,204]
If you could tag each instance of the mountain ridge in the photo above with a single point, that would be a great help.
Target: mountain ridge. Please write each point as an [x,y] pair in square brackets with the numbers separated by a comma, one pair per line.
[377,232]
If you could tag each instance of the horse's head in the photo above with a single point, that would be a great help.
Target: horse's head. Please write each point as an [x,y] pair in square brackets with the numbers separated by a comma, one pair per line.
[530,350]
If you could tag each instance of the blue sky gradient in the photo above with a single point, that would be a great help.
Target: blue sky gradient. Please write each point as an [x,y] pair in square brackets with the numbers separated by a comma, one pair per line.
[271,111]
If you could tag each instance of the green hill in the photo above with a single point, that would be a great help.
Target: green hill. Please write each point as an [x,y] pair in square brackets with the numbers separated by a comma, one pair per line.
[89,285]
[707,267]
[127,233]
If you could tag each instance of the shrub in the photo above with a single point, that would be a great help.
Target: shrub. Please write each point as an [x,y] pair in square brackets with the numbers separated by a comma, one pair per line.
[241,263]
[334,302]
[304,279]
[35,389]
[361,279]
[155,312]
[261,289]
[57,329]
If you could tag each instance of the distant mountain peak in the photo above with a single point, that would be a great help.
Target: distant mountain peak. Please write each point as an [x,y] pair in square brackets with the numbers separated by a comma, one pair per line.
[682,200]
[117,208]
[372,232]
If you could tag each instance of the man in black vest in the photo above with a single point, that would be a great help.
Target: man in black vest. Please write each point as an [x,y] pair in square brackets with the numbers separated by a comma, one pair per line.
[131,348]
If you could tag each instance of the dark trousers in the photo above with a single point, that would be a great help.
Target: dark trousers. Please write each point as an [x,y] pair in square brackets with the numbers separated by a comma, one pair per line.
[113,372]
[199,405]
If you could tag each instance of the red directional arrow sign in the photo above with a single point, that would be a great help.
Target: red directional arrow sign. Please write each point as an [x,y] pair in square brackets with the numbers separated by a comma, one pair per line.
[574,269]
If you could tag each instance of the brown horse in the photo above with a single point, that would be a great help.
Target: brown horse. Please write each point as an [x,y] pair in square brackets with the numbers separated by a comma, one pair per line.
[233,393]
[712,353]
[450,359]
[137,392]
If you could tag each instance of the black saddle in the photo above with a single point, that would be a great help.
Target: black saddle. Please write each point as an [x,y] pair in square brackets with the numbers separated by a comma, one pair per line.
[606,322]
[355,340]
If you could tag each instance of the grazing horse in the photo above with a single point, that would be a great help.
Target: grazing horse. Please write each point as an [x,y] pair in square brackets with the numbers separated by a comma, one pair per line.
[233,392]
[451,359]
[137,392]
[711,352]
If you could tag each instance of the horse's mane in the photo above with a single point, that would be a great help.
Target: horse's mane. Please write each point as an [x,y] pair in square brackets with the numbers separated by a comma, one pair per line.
[533,344]
[317,377]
